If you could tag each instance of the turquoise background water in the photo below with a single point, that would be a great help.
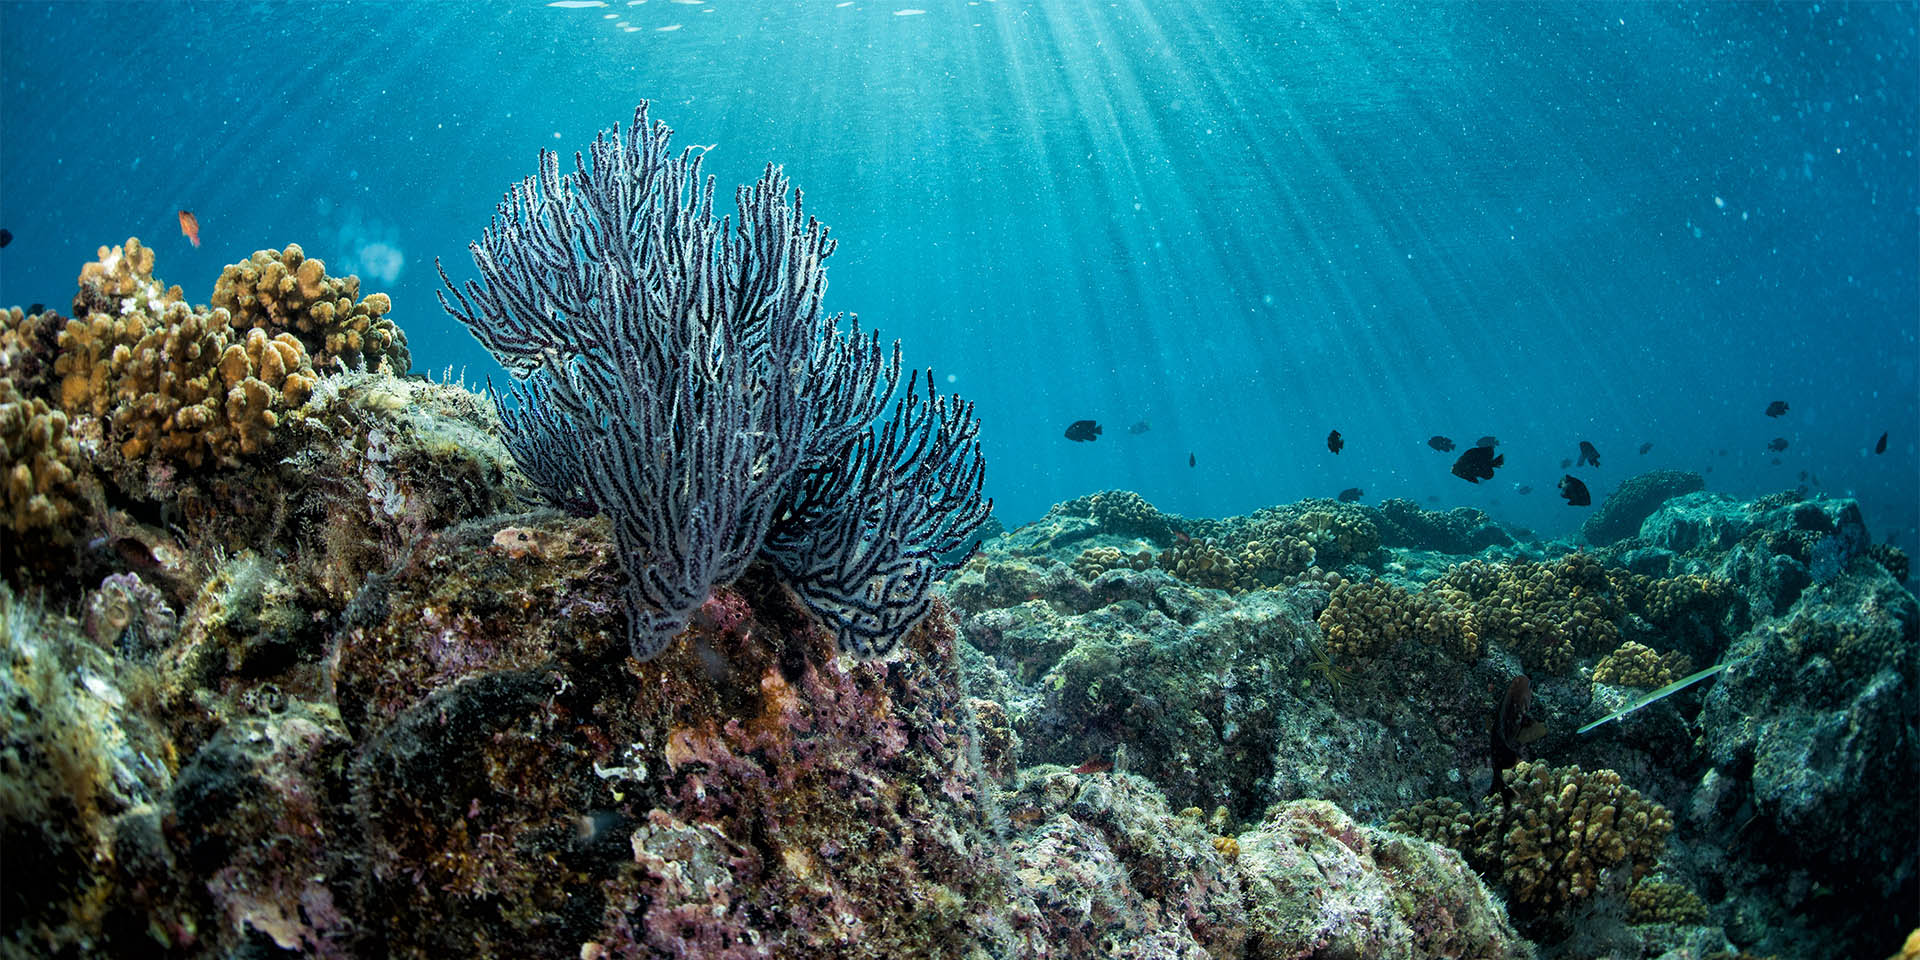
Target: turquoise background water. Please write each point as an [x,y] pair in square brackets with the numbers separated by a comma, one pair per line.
[1247,224]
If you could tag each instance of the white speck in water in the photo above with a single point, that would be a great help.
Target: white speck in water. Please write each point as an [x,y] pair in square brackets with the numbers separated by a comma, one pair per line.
[669,28]
[908,12]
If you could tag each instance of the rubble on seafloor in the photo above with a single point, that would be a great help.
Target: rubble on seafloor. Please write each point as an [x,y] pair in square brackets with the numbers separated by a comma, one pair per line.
[299,671]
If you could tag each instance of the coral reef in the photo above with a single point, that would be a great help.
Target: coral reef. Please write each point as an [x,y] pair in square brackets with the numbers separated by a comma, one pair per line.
[1547,613]
[288,292]
[1370,619]
[1552,842]
[1620,515]
[41,466]
[1122,513]
[1461,531]
[715,423]
[1638,665]
[172,383]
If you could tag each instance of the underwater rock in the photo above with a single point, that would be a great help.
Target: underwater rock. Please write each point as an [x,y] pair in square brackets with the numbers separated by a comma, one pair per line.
[1624,510]
[1462,530]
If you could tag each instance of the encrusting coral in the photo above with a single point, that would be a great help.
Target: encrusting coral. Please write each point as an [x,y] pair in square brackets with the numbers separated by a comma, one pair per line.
[288,291]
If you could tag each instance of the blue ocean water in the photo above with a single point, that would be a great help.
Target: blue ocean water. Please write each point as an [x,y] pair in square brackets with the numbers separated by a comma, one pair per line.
[1244,224]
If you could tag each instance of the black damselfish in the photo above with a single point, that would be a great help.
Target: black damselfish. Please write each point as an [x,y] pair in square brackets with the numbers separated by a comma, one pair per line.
[1881,447]
[1334,442]
[1588,455]
[1575,491]
[1351,494]
[1083,431]
[1776,408]
[1477,464]
[1440,443]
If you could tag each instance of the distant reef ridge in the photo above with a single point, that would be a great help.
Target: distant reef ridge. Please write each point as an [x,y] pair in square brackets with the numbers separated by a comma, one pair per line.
[291,665]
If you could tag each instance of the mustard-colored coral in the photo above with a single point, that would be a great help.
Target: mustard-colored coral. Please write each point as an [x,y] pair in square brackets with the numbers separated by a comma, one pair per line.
[39,464]
[27,345]
[173,383]
[1547,612]
[1552,843]
[1369,619]
[1205,565]
[1638,665]
[286,291]
[1091,563]
[1657,901]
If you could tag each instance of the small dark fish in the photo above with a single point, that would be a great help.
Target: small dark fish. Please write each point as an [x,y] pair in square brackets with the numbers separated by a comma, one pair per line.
[1477,464]
[36,308]
[1803,476]
[1514,726]
[1777,444]
[1881,447]
[1440,443]
[1776,461]
[1645,448]
[1351,494]
[1140,428]
[1488,442]
[1776,408]
[1334,442]
[1588,455]
[1566,464]
[1523,489]
[6,236]
[1707,469]
[1575,491]
[1083,431]
[1191,461]
[1432,499]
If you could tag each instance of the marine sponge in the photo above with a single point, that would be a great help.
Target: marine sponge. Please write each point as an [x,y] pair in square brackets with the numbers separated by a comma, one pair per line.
[1638,665]
[288,291]
[1551,844]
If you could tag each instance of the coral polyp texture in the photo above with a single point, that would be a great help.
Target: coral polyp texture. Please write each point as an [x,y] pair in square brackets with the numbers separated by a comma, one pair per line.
[170,382]
[286,291]
[40,465]
[1553,841]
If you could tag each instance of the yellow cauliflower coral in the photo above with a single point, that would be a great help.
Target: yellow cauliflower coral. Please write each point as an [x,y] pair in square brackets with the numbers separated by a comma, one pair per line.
[39,461]
[286,291]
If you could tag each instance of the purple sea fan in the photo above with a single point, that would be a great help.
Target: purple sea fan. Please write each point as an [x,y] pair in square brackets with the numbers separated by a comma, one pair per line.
[678,373]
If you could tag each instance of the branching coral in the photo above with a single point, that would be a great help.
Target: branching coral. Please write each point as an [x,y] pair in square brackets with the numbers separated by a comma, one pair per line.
[173,383]
[1551,844]
[1548,613]
[1369,619]
[1637,665]
[40,466]
[683,378]
[286,291]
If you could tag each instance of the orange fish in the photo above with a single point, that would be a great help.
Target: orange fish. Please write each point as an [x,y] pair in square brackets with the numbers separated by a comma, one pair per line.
[190,226]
